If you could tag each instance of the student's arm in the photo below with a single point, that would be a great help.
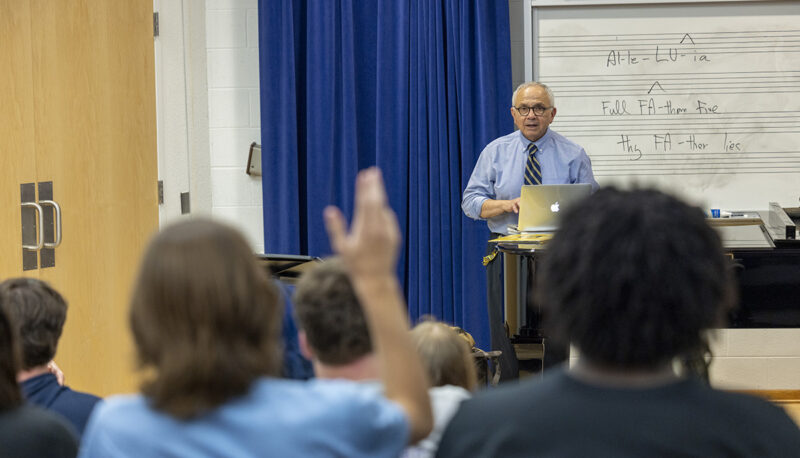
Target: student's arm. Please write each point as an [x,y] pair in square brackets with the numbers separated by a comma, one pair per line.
[369,250]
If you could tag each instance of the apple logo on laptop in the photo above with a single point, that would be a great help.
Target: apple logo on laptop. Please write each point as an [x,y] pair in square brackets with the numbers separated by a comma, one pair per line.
[554,208]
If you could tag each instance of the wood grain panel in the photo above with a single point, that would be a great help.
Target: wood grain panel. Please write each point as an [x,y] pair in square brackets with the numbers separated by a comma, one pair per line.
[17,153]
[788,399]
[94,105]
[793,409]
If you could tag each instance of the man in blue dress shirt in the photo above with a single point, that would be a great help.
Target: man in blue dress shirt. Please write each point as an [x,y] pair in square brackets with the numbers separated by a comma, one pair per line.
[493,191]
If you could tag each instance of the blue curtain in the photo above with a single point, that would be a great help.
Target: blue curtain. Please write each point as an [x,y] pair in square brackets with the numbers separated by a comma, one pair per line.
[417,88]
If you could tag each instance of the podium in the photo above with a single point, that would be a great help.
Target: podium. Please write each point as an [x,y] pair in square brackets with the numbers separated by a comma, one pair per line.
[287,267]
[523,314]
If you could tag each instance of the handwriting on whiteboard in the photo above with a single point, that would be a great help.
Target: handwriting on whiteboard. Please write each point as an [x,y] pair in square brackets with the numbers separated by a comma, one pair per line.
[698,101]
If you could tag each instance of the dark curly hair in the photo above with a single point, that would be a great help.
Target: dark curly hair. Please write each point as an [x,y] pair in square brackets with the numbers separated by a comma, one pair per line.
[634,278]
[328,310]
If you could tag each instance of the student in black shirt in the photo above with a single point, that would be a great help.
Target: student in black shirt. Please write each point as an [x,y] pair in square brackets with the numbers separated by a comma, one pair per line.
[634,279]
[26,431]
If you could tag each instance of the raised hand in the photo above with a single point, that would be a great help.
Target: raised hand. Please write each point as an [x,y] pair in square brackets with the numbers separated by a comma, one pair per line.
[371,246]
[369,251]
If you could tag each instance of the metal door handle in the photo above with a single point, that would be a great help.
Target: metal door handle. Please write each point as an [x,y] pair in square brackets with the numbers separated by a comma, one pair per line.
[57,208]
[40,232]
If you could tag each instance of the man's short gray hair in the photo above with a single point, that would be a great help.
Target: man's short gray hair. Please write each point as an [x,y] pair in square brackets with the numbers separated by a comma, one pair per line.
[534,84]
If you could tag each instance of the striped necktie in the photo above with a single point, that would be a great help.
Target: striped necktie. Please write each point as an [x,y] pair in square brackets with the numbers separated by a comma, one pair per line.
[533,171]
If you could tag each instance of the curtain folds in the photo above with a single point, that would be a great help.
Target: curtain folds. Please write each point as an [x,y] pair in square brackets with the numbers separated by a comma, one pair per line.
[419,91]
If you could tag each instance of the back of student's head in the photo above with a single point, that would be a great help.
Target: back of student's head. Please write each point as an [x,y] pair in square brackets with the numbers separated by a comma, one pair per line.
[329,314]
[204,316]
[37,312]
[10,396]
[634,278]
[445,355]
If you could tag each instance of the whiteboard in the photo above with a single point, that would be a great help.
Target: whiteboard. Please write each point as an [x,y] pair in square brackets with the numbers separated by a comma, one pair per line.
[699,99]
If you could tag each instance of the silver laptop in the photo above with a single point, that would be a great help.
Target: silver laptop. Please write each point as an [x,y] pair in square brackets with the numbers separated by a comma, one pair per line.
[541,205]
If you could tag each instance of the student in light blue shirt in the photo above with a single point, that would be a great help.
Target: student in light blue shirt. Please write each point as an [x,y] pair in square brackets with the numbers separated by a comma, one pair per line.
[206,323]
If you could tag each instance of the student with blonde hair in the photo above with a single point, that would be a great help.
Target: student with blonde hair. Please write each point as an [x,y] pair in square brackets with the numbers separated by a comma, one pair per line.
[450,366]
[445,355]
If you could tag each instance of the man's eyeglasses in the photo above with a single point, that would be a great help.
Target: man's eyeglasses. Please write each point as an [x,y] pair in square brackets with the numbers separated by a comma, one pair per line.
[538,110]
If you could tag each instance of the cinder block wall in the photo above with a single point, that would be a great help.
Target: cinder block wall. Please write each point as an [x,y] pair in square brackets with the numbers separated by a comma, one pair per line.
[234,113]
[757,359]
[752,359]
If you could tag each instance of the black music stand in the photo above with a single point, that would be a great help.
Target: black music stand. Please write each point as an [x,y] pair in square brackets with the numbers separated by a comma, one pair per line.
[287,267]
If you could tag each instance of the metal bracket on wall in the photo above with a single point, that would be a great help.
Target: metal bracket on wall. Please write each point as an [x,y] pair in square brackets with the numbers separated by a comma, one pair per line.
[185,203]
[254,160]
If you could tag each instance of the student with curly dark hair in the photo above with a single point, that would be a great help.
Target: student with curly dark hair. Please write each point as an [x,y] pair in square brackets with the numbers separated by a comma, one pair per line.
[633,279]
[26,431]
[206,318]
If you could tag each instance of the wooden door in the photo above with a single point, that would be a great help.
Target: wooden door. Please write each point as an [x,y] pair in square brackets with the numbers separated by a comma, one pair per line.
[91,92]
[17,152]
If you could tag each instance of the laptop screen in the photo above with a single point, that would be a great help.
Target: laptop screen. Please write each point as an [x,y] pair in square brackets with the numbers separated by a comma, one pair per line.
[541,205]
